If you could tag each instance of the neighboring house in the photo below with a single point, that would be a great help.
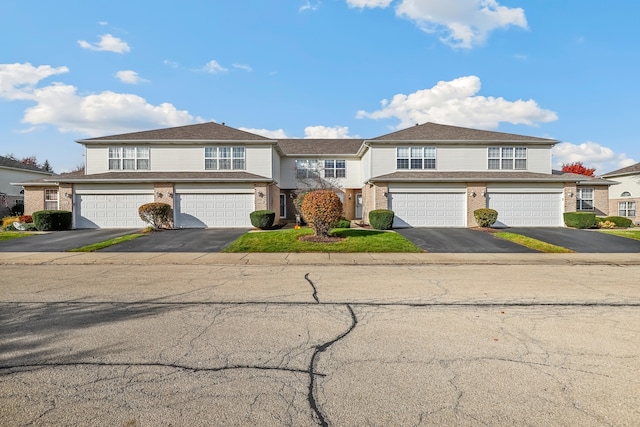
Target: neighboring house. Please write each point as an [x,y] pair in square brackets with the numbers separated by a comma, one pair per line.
[624,196]
[12,171]
[430,175]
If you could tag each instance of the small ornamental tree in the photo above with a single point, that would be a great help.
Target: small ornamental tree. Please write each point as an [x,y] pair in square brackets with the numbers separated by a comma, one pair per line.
[579,168]
[157,215]
[321,210]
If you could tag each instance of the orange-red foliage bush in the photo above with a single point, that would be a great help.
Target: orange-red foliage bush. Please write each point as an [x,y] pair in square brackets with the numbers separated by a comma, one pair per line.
[321,209]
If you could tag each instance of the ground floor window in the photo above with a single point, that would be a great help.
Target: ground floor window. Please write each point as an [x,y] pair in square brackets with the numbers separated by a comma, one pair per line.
[51,199]
[626,208]
[584,199]
[283,205]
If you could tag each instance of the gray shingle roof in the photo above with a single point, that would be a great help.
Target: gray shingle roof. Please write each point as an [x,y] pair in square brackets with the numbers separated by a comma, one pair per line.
[629,170]
[198,132]
[230,176]
[438,132]
[15,164]
[319,147]
[503,176]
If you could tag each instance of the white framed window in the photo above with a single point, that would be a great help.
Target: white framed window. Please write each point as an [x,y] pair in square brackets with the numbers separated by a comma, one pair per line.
[306,168]
[416,157]
[129,158]
[584,199]
[508,158]
[51,199]
[224,158]
[335,168]
[627,209]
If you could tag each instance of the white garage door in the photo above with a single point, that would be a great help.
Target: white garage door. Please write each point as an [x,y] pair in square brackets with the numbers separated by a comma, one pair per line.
[110,210]
[213,210]
[527,209]
[428,209]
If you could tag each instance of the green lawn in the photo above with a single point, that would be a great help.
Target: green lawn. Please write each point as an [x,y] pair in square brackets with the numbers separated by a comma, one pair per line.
[631,234]
[532,243]
[8,235]
[355,240]
[106,243]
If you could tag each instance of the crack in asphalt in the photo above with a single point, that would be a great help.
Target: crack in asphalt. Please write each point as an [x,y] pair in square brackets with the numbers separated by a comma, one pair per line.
[313,286]
[319,416]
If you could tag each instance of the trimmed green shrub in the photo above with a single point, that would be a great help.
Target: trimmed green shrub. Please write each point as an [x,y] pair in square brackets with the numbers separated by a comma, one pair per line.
[52,220]
[321,209]
[580,219]
[485,217]
[381,219]
[342,223]
[262,219]
[619,221]
[156,214]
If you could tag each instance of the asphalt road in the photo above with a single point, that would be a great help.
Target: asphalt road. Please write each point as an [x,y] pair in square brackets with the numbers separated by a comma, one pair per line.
[214,345]
[584,241]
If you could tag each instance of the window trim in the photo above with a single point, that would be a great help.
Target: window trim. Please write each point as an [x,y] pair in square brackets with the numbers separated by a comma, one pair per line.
[335,171]
[303,171]
[629,210]
[140,154]
[427,158]
[580,199]
[48,199]
[235,156]
[507,154]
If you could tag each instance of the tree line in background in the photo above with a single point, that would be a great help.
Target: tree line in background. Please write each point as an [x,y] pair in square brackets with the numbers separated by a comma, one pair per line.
[33,161]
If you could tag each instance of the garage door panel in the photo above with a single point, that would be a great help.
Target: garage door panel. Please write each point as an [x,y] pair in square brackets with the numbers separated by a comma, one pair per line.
[110,210]
[213,210]
[527,209]
[428,209]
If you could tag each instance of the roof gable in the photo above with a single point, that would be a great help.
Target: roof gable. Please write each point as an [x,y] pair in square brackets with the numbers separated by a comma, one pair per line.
[197,132]
[629,170]
[437,132]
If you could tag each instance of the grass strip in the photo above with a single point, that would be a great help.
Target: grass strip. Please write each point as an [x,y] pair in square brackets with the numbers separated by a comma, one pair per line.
[531,243]
[106,243]
[630,234]
[8,235]
[354,240]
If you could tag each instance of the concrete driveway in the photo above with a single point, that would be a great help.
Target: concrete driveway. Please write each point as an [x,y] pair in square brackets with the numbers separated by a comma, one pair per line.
[181,240]
[459,240]
[61,241]
[586,241]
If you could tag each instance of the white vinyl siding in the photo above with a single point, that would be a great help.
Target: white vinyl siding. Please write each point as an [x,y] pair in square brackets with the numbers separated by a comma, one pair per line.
[428,209]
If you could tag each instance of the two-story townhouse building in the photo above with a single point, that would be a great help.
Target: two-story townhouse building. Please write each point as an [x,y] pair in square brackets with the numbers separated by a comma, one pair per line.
[624,195]
[214,175]
[12,171]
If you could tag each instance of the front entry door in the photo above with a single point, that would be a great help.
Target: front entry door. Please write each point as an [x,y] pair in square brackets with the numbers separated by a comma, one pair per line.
[358,205]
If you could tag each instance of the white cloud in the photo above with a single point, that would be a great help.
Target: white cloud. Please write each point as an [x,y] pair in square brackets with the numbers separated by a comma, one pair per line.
[243,67]
[591,154]
[322,132]
[98,114]
[213,67]
[308,6]
[18,81]
[461,23]
[103,23]
[129,77]
[455,103]
[273,134]
[107,43]
[171,64]
[369,3]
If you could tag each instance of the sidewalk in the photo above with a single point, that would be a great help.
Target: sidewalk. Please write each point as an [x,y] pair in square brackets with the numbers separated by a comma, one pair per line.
[194,258]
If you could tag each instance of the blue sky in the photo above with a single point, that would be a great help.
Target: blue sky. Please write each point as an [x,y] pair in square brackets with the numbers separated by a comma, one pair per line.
[333,68]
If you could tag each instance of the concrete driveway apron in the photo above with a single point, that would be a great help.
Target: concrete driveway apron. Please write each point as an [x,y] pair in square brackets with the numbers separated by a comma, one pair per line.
[586,241]
[61,241]
[459,240]
[181,240]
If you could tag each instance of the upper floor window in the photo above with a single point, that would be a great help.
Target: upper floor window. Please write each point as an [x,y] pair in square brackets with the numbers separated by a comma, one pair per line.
[627,209]
[306,168]
[128,158]
[51,199]
[416,157]
[224,158]
[507,158]
[625,194]
[335,168]
[584,199]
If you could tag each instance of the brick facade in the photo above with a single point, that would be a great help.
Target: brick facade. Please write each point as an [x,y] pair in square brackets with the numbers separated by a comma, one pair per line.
[476,199]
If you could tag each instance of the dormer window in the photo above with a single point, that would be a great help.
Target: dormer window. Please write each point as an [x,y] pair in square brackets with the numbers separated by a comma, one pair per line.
[508,158]
[128,158]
